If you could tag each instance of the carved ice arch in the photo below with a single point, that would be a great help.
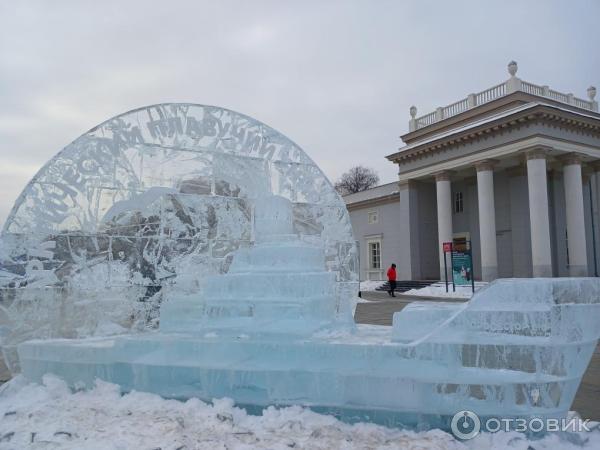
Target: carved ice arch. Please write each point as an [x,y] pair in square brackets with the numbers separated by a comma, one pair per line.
[152,196]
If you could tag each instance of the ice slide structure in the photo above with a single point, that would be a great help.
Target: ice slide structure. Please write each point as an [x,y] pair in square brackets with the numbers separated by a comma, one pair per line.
[193,251]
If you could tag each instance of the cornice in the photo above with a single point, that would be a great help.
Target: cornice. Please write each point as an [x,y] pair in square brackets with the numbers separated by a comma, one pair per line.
[548,115]
[389,198]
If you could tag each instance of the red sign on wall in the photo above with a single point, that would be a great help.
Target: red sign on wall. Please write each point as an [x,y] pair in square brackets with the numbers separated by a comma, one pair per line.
[447,246]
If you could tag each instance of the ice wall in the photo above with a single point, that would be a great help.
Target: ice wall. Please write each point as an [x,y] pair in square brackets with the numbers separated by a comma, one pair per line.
[518,349]
[517,345]
[154,201]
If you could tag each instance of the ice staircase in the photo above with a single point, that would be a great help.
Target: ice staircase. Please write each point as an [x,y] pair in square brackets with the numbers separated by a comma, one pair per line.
[278,286]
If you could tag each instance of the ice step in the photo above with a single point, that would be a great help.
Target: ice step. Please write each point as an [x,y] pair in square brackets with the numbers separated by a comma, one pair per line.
[416,318]
[177,316]
[271,257]
[291,285]
[350,359]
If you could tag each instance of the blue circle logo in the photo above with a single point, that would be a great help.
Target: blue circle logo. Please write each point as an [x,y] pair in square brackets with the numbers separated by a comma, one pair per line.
[465,425]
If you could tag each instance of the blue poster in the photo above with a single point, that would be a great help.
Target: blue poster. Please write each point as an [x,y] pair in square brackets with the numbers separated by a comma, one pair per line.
[461,268]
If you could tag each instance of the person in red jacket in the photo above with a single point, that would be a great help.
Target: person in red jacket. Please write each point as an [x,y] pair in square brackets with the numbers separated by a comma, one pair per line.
[391,274]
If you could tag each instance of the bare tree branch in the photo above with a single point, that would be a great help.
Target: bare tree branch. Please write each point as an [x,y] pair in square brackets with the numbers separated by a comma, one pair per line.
[357,179]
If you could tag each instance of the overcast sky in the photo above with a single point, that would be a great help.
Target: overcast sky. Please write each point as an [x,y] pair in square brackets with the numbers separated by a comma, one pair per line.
[338,78]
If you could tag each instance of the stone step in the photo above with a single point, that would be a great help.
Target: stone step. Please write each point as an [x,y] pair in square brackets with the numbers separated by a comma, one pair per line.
[407,285]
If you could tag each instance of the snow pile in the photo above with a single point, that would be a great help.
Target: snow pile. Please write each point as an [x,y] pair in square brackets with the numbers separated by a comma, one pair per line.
[439,290]
[370,285]
[51,416]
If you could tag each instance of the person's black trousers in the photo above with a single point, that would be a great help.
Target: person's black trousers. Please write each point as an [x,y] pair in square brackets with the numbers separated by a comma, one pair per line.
[392,287]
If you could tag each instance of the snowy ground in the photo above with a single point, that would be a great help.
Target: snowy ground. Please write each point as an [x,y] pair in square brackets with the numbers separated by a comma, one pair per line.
[439,290]
[435,290]
[50,416]
[370,285]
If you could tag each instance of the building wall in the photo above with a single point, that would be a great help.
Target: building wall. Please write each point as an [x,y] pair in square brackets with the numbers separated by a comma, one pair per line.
[558,224]
[502,202]
[427,224]
[467,221]
[587,210]
[513,240]
[410,240]
[594,263]
[386,229]
[409,257]
[520,227]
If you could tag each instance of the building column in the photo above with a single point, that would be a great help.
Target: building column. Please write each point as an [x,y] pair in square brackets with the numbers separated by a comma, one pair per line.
[408,264]
[487,220]
[444,216]
[537,182]
[574,213]
[595,216]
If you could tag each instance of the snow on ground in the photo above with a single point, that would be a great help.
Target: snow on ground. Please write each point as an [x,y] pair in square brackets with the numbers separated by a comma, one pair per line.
[50,416]
[439,290]
[370,285]
[435,290]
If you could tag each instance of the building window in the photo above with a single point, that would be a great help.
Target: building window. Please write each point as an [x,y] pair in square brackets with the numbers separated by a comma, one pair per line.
[373,217]
[458,202]
[375,255]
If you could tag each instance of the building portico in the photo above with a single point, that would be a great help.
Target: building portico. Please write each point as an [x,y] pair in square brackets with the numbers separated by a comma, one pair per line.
[528,215]
[514,170]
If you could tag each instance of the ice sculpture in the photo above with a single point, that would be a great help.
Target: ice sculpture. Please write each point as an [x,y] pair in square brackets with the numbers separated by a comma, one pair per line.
[265,333]
[277,287]
[252,251]
[154,201]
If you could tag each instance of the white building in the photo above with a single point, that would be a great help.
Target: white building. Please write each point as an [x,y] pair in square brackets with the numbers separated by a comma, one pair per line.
[513,169]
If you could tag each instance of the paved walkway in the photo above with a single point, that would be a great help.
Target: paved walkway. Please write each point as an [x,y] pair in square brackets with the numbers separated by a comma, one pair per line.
[381,308]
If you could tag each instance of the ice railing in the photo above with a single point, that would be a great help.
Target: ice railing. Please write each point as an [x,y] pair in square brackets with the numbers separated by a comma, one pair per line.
[522,343]
[59,312]
[516,308]
[519,319]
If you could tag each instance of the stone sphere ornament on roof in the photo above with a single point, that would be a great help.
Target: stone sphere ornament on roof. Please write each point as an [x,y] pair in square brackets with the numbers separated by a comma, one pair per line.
[154,199]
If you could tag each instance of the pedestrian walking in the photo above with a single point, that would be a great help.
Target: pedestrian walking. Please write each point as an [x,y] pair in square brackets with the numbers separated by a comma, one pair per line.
[391,274]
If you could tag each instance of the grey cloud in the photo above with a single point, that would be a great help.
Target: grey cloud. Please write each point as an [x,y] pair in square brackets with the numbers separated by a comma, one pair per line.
[337,77]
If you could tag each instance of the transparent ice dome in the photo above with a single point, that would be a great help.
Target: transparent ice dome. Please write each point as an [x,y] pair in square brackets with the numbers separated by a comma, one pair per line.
[152,200]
